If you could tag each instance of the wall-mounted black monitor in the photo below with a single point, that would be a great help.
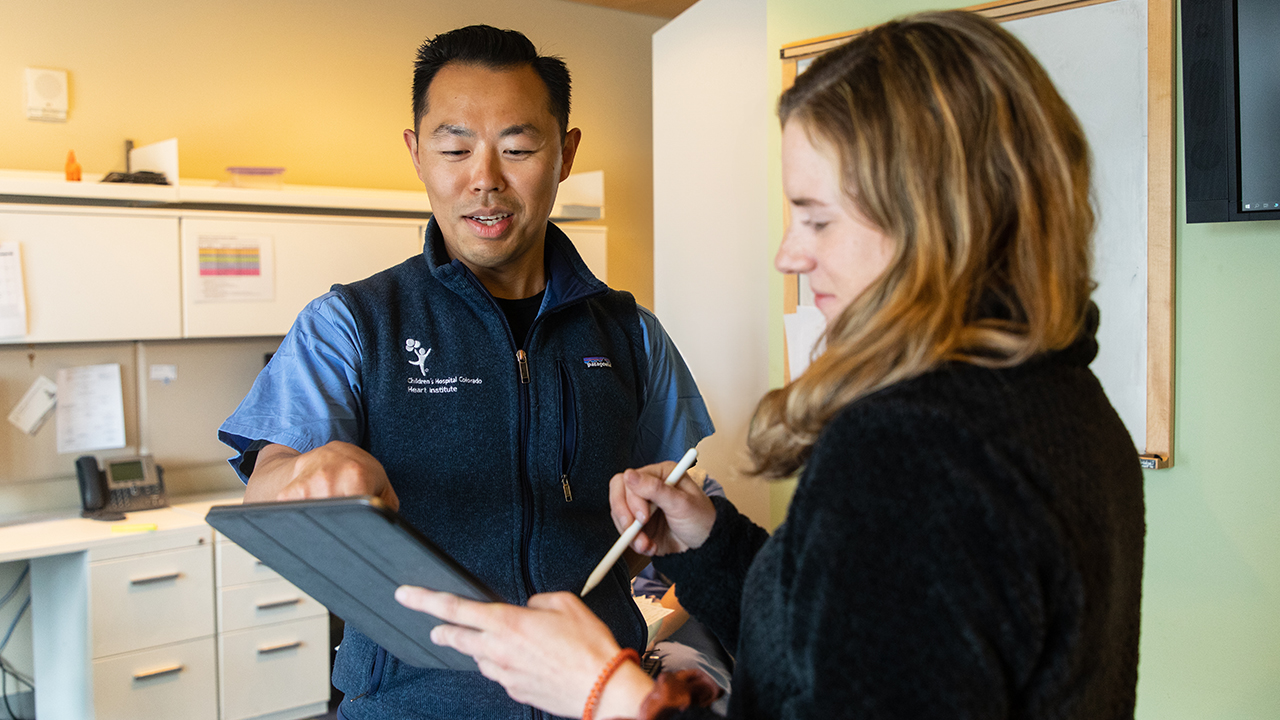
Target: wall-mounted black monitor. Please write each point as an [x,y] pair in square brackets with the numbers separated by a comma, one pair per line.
[1231,109]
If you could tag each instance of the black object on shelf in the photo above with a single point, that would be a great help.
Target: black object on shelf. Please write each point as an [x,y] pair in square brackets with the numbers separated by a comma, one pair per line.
[142,177]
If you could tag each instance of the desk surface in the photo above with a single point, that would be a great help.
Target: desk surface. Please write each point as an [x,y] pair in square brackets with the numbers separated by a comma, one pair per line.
[67,535]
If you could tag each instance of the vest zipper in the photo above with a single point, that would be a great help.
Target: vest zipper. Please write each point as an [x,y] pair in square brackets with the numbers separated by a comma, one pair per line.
[523,361]
[526,483]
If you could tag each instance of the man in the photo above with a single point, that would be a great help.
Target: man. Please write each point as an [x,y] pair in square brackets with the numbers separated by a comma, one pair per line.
[488,388]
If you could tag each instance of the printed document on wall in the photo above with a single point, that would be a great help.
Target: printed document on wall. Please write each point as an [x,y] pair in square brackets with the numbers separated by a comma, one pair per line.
[234,268]
[803,329]
[90,412]
[13,298]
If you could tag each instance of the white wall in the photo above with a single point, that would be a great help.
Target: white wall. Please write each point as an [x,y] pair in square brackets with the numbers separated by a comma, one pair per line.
[711,114]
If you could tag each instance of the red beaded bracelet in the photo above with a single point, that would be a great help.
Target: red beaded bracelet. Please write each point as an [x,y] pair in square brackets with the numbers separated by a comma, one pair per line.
[594,698]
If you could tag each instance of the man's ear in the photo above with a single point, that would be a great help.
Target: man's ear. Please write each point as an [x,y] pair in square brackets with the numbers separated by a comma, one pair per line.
[411,142]
[567,153]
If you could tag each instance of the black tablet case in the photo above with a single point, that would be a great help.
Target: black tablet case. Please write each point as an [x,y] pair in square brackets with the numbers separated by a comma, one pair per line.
[351,554]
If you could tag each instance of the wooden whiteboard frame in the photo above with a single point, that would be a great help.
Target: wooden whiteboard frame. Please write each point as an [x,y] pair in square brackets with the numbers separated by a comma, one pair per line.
[1160,168]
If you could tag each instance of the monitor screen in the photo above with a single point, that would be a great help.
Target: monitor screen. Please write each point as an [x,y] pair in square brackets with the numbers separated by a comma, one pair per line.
[1258,72]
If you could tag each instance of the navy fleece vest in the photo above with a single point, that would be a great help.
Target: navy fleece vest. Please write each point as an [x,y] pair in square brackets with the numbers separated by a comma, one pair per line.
[505,467]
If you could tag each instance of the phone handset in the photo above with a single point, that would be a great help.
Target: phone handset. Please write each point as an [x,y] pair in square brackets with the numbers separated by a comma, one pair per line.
[122,485]
[93,487]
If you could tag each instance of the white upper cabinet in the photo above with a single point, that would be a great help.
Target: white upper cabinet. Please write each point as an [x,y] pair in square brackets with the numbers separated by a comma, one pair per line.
[100,275]
[107,261]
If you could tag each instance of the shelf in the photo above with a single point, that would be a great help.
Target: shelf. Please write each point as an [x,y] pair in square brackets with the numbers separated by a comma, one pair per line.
[581,196]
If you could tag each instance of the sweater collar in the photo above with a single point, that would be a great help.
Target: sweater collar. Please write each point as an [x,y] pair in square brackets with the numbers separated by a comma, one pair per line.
[568,278]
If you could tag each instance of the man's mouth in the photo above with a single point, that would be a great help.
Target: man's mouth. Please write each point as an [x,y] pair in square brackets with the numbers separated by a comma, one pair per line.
[489,220]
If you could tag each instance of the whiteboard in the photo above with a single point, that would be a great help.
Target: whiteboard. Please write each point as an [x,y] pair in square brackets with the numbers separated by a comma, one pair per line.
[1113,62]
[1097,58]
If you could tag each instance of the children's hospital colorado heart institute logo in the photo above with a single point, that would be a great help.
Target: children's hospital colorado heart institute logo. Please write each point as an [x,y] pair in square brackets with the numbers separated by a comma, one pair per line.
[422,383]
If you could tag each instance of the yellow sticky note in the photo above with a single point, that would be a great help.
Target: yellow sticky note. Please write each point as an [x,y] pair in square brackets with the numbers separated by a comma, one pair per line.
[140,527]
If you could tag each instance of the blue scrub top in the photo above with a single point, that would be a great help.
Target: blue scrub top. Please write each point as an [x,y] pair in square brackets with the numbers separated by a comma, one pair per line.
[310,394]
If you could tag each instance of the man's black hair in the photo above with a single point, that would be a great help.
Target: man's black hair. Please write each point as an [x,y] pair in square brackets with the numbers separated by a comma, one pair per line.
[491,48]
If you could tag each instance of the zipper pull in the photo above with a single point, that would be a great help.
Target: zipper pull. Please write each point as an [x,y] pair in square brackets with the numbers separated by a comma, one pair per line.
[523,361]
[568,491]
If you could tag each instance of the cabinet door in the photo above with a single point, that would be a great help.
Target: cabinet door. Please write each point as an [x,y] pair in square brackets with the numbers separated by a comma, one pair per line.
[237,567]
[173,681]
[275,668]
[255,274]
[592,243]
[264,603]
[96,276]
[151,599]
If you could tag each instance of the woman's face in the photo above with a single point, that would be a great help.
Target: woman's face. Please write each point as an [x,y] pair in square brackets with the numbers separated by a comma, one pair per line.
[828,239]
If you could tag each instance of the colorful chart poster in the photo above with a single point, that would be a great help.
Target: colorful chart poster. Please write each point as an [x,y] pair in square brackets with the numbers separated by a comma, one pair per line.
[234,268]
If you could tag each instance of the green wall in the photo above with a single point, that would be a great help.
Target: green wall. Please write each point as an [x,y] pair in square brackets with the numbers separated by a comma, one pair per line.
[1211,605]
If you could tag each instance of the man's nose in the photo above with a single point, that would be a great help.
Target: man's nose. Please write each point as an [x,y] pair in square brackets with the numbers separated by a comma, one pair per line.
[488,173]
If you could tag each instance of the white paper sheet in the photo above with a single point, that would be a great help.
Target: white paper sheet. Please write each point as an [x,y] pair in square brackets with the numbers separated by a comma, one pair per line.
[653,613]
[164,374]
[13,297]
[803,328]
[161,157]
[233,268]
[35,406]
[90,408]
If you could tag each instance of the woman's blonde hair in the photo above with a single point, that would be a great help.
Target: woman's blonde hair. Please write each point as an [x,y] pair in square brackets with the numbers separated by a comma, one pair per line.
[952,140]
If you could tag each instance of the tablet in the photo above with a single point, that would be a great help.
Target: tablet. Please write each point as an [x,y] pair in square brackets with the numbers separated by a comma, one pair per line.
[350,554]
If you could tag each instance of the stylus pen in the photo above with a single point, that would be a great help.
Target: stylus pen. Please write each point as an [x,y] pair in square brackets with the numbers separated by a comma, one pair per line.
[630,533]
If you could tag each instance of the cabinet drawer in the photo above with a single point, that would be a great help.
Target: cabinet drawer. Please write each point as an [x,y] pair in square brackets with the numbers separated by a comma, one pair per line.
[152,599]
[275,668]
[174,681]
[237,567]
[263,603]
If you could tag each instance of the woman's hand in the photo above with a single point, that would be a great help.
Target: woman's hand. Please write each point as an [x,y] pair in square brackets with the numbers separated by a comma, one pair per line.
[548,654]
[687,513]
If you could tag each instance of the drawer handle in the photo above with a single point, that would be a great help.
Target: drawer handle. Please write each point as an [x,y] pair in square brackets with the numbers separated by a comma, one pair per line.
[279,604]
[155,579]
[157,673]
[278,648]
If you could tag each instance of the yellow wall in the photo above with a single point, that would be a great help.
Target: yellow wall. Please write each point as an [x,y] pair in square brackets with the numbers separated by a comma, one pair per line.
[320,87]
[1211,587]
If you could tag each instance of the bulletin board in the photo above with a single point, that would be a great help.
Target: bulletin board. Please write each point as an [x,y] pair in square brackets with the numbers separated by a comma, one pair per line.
[1113,62]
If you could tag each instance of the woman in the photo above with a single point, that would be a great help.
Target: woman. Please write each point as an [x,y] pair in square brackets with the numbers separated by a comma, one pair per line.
[966,536]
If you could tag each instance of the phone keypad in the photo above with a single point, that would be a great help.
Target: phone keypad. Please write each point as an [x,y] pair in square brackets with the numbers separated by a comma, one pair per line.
[146,497]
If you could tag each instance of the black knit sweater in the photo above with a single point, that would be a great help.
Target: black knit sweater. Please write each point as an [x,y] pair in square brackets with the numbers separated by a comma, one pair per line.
[966,544]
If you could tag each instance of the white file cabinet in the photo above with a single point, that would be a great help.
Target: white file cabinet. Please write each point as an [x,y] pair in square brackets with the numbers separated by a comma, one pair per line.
[126,630]
[273,642]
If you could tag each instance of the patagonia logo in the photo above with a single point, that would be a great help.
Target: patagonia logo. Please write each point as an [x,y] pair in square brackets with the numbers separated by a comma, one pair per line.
[597,362]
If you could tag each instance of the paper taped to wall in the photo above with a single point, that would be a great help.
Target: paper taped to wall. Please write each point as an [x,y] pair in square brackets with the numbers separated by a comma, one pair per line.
[233,268]
[13,298]
[35,406]
[803,328]
[90,408]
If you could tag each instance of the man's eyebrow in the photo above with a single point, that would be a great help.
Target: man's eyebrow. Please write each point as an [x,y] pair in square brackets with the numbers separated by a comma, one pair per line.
[522,129]
[447,130]
[453,130]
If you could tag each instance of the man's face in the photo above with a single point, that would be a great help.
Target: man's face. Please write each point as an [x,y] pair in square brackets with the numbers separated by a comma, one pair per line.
[490,154]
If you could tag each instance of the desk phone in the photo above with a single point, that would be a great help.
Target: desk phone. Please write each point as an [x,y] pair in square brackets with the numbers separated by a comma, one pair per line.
[122,485]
